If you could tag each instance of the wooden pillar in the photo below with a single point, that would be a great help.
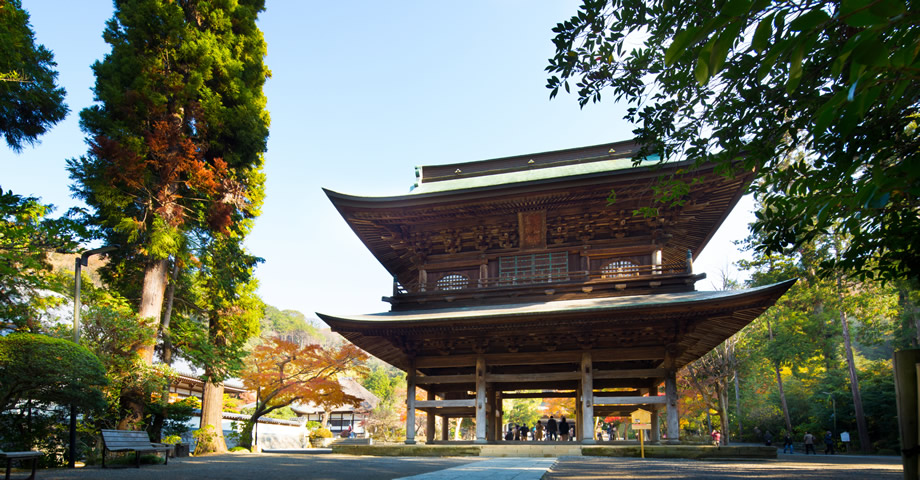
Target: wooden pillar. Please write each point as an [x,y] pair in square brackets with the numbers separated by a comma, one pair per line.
[445,428]
[490,414]
[670,390]
[429,420]
[410,403]
[586,419]
[480,400]
[497,418]
[655,433]
[574,423]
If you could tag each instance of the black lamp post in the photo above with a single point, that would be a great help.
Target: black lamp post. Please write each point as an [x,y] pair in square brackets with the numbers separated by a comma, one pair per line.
[78,264]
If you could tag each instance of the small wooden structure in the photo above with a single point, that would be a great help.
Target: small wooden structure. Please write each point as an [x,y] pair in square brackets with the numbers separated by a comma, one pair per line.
[135,441]
[515,274]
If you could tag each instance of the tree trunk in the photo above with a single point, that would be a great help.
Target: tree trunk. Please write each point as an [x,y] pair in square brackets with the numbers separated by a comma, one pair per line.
[167,315]
[152,303]
[864,443]
[212,416]
[738,407]
[134,400]
[159,418]
[246,434]
[722,394]
[779,385]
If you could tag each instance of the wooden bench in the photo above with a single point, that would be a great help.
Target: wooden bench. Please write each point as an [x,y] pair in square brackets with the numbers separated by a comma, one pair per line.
[135,441]
[10,456]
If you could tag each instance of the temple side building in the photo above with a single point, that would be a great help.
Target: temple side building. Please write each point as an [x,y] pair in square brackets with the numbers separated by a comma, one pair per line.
[532,273]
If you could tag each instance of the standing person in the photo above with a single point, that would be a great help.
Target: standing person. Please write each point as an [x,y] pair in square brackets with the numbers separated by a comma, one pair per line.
[716,437]
[768,438]
[787,443]
[551,428]
[845,438]
[538,431]
[809,443]
[564,430]
[829,443]
[524,432]
[510,435]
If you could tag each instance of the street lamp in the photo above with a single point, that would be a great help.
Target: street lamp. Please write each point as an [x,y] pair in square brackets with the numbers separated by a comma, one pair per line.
[834,404]
[78,264]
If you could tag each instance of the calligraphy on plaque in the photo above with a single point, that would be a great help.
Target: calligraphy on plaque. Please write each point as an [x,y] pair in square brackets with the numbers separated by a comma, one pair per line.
[533,229]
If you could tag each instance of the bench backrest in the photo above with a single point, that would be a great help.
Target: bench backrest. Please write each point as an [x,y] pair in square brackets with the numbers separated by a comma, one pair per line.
[125,438]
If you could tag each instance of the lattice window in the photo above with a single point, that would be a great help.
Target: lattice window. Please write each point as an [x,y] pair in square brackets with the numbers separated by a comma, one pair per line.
[619,268]
[453,281]
[533,268]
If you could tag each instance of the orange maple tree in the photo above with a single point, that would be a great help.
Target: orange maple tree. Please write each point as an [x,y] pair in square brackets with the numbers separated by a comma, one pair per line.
[282,372]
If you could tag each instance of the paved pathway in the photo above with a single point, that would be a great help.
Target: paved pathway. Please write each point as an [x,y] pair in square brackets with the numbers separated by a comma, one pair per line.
[839,467]
[493,469]
[326,466]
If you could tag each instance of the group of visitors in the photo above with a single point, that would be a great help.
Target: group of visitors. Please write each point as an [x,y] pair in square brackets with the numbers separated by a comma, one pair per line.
[553,431]
[809,440]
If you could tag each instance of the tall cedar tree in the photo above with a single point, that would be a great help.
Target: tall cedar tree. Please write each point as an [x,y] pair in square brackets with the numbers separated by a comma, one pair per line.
[30,99]
[746,84]
[175,139]
[213,333]
[282,373]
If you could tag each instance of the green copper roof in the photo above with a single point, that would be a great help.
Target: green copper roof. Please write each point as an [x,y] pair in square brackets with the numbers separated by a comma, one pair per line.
[561,306]
[461,183]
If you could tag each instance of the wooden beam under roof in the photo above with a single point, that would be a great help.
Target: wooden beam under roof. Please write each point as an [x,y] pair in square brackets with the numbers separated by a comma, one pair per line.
[540,358]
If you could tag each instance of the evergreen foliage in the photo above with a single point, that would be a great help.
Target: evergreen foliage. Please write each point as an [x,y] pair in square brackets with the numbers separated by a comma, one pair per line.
[173,174]
[48,370]
[30,99]
[26,277]
[819,99]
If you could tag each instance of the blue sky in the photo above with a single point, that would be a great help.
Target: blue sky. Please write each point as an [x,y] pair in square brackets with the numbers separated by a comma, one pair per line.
[361,92]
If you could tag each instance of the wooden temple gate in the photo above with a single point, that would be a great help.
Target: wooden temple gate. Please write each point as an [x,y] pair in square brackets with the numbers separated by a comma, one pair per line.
[513,278]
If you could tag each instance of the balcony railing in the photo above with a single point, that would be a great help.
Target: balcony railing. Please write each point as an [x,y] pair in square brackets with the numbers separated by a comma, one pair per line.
[642,273]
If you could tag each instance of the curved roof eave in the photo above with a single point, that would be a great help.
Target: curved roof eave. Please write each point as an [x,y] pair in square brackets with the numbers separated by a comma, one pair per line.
[561,307]
[339,198]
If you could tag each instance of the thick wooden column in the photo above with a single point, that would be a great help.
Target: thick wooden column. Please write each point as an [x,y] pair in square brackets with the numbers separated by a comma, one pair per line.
[654,433]
[410,403]
[586,419]
[670,390]
[574,423]
[480,400]
[429,421]
[490,414]
[445,428]
[499,417]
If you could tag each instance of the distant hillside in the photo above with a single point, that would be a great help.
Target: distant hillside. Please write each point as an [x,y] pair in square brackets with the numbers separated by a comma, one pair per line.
[296,327]
[65,262]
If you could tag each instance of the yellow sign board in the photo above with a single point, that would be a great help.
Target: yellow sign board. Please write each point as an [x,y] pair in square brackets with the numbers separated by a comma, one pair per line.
[641,416]
[641,426]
